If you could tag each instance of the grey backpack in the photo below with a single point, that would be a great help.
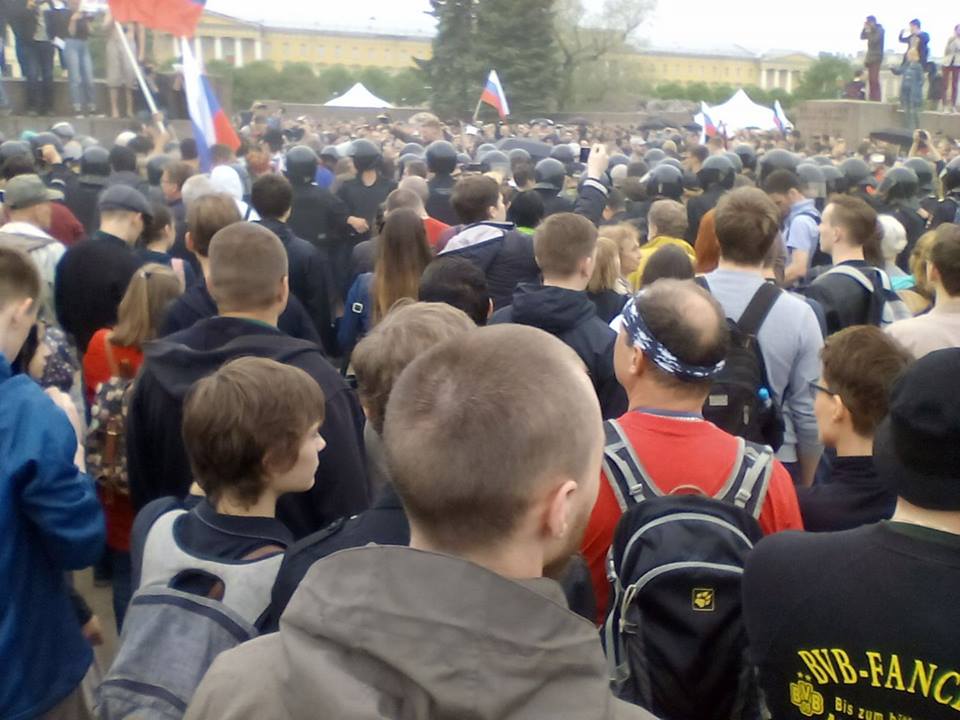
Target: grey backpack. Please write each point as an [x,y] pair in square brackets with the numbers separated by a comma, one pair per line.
[170,637]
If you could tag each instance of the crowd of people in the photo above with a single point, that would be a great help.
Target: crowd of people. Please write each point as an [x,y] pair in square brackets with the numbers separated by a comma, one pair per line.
[416,420]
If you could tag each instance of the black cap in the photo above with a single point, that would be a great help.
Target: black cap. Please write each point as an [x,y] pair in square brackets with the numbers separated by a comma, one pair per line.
[916,449]
[124,197]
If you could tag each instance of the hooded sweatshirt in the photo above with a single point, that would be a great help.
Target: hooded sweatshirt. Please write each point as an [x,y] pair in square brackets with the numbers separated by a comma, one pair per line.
[382,633]
[572,317]
[227,180]
[156,459]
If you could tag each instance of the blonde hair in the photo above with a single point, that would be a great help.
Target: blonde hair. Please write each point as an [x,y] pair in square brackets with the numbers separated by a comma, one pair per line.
[623,234]
[606,268]
[151,290]
[919,258]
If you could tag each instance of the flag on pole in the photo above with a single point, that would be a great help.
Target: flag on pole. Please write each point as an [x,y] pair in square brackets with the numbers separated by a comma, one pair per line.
[210,123]
[494,96]
[780,118]
[177,17]
[709,127]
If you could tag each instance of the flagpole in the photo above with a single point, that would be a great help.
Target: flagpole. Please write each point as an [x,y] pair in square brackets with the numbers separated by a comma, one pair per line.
[477,111]
[147,95]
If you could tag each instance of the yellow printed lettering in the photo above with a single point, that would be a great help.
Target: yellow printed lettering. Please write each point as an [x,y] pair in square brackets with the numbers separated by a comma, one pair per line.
[938,688]
[813,666]
[847,671]
[875,660]
[922,672]
[894,673]
[823,657]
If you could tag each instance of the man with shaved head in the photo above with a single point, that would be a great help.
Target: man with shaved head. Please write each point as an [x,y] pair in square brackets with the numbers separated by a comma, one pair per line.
[248,279]
[672,342]
[494,442]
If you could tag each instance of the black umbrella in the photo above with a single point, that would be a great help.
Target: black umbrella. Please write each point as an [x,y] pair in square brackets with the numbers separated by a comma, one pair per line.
[653,124]
[693,127]
[894,136]
[578,121]
[538,150]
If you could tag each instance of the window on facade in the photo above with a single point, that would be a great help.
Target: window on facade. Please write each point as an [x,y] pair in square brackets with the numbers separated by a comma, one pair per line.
[286,50]
[337,51]
[371,52]
[303,50]
[320,51]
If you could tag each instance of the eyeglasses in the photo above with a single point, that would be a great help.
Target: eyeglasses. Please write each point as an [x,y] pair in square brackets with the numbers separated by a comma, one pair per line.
[815,388]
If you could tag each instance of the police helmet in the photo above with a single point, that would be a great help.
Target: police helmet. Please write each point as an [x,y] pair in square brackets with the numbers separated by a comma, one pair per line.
[441,157]
[155,167]
[734,160]
[64,131]
[519,155]
[96,161]
[549,174]
[856,174]
[949,177]
[833,178]
[777,159]
[412,148]
[717,170]
[47,138]
[563,153]
[665,181]
[301,164]
[484,148]
[813,179]
[924,171]
[463,159]
[330,151]
[672,161]
[900,183]
[748,156]
[495,160]
[365,155]
[617,159]
[654,156]
[821,160]
[14,148]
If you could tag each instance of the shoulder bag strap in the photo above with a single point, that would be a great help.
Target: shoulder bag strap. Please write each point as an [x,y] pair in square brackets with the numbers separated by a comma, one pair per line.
[760,305]
[628,478]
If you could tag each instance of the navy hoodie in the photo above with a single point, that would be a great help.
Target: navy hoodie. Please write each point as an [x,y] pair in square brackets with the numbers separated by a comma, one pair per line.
[572,317]
[157,461]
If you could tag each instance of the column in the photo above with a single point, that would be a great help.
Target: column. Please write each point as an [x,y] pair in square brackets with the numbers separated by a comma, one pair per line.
[175,45]
[763,78]
[789,81]
[198,48]
[237,52]
[258,49]
[218,47]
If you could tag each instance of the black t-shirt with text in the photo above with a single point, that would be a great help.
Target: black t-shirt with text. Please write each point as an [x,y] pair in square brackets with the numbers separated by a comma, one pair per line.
[858,624]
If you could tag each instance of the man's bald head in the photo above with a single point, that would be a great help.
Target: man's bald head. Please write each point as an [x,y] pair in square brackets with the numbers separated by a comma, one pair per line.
[687,321]
[478,428]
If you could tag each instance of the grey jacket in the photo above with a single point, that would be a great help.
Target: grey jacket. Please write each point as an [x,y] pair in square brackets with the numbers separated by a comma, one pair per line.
[384,633]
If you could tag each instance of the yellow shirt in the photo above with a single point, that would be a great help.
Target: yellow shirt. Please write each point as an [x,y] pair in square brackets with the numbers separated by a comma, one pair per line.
[650,248]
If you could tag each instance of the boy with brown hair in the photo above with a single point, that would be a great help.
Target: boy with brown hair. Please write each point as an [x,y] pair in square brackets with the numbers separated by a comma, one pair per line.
[851,398]
[247,276]
[251,430]
[566,246]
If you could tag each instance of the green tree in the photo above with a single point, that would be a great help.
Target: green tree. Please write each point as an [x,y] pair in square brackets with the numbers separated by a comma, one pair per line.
[254,81]
[584,39]
[377,80]
[526,64]
[334,81]
[454,72]
[409,88]
[297,83]
[825,78]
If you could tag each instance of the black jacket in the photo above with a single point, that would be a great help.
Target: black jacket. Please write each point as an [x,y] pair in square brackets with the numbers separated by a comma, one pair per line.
[156,459]
[699,206]
[318,216]
[385,523]
[571,317]
[915,226]
[309,277]
[946,211]
[609,304]
[197,304]
[92,278]
[130,179]
[854,496]
[505,256]
[845,302]
[82,201]
[438,204]
[364,201]
[554,203]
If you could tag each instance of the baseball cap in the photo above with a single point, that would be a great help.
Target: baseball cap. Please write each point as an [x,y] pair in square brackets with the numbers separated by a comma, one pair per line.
[124,197]
[24,191]
[916,449]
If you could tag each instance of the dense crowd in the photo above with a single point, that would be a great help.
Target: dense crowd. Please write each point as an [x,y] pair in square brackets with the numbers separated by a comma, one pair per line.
[317,410]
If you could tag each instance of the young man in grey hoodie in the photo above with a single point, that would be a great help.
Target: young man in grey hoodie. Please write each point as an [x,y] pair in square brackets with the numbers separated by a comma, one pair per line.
[461,623]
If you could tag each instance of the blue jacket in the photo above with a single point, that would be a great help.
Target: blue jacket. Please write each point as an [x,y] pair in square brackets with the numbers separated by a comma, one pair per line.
[50,522]
[357,314]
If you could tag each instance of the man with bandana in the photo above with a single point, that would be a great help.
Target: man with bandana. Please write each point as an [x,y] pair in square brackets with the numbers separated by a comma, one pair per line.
[672,342]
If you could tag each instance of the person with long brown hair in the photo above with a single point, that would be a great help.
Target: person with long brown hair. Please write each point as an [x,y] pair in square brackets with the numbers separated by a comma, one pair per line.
[402,256]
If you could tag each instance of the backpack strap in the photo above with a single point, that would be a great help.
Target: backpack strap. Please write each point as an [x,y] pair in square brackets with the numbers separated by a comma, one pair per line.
[111,358]
[749,480]
[759,307]
[628,478]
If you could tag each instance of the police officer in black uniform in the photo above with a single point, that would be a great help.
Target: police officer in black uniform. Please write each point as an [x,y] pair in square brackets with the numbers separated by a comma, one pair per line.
[363,195]
[948,210]
[441,162]
[317,215]
[898,193]
[716,175]
[926,195]
[857,178]
[82,201]
[664,182]
[551,176]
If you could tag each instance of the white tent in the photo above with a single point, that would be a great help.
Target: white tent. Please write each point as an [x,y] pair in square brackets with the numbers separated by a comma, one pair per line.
[358,97]
[738,113]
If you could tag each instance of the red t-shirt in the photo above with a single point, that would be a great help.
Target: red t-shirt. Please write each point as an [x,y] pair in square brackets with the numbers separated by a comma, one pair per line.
[117,508]
[679,451]
[434,229]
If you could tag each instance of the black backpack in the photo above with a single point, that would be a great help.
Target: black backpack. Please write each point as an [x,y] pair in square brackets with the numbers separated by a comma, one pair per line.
[741,400]
[674,637]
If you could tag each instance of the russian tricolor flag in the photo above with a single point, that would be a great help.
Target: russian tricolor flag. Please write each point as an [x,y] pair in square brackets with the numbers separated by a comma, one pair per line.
[780,118]
[210,123]
[709,127]
[493,95]
[177,17]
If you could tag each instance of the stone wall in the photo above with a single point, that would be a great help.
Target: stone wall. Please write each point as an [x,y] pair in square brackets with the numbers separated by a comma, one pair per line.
[855,119]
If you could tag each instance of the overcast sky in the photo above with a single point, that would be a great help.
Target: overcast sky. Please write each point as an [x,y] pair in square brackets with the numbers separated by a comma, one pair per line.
[809,25]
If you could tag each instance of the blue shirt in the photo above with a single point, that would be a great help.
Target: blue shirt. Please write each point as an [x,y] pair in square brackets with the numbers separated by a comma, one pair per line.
[51,523]
[801,229]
